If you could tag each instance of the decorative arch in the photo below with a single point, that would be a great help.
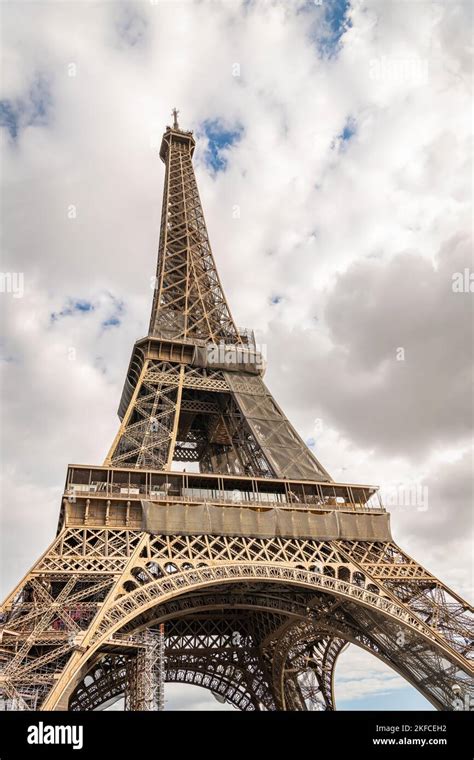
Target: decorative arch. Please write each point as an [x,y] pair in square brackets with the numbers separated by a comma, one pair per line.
[388,613]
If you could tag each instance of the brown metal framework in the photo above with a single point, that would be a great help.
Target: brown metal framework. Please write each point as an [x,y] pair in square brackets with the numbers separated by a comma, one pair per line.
[247,577]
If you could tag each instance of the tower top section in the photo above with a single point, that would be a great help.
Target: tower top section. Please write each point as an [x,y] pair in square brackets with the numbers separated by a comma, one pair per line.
[176,135]
[188,303]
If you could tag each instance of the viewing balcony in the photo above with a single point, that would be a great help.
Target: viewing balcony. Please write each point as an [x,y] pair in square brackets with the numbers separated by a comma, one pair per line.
[127,485]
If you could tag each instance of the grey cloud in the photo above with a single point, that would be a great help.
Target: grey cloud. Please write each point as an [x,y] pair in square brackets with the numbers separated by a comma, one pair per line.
[376,307]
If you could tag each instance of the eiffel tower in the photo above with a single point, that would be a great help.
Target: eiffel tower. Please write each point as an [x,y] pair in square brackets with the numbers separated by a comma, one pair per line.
[245,572]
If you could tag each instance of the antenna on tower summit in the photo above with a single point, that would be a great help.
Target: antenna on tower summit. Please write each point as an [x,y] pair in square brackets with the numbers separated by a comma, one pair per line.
[175,113]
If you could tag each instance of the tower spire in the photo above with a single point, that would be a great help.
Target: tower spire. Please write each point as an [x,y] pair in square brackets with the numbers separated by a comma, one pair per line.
[189,302]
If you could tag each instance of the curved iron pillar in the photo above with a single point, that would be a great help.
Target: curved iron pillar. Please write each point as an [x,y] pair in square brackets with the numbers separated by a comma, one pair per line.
[304,663]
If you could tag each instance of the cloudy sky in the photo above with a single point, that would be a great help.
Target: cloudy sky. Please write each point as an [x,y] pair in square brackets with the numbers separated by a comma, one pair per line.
[333,159]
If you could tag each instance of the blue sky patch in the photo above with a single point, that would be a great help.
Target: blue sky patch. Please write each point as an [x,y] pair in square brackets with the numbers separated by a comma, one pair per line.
[350,128]
[9,117]
[112,308]
[31,110]
[114,318]
[331,24]
[83,306]
[345,135]
[220,138]
[73,306]
[111,322]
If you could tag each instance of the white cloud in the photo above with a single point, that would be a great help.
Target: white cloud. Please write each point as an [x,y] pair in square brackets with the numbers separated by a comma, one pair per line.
[360,675]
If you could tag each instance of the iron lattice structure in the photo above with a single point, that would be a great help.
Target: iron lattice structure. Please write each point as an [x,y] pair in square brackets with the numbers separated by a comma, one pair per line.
[247,576]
